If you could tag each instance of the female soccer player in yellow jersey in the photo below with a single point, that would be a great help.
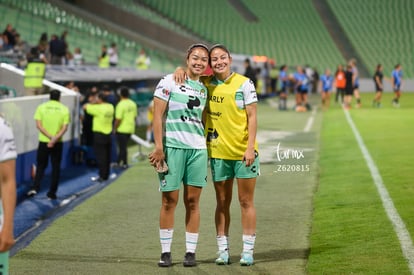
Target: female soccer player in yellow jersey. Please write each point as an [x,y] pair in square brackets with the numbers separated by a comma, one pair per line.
[231,126]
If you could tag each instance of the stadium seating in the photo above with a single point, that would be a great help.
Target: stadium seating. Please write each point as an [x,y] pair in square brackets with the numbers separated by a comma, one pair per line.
[289,31]
[32,18]
[132,7]
[381,31]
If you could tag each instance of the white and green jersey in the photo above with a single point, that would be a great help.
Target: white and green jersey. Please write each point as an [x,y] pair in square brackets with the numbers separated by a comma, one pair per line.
[183,118]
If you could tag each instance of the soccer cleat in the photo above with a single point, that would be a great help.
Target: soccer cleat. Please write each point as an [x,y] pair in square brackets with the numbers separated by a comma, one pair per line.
[246,259]
[31,193]
[51,196]
[223,257]
[189,259]
[165,260]
[97,179]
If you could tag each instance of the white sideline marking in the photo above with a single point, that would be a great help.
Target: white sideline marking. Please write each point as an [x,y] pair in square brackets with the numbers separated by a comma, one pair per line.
[309,123]
[392,213]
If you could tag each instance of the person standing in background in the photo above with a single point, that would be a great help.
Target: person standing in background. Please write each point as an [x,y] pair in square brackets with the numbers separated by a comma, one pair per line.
[143,61]
[250,72]
[113,55]
[355,81]
[349,87]
[52,119]
[340,83]
[103,60]
[379,86]
[8,157]
[326,88]
[125,114]
[397,79]
[103,115]
[274,75]
[301,90]
[284,82]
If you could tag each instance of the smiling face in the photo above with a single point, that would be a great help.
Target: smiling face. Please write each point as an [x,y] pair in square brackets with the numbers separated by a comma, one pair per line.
[197,62]
[220,61]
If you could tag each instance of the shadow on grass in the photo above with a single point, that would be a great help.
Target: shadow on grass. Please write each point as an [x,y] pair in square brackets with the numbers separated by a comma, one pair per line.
[263,257]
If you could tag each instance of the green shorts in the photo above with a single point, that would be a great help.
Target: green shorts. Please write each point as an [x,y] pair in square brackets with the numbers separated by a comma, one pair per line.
[4,262]
[188,166]
[223,169]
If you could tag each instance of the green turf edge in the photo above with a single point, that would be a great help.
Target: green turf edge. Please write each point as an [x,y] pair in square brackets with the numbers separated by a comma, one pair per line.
[350,231]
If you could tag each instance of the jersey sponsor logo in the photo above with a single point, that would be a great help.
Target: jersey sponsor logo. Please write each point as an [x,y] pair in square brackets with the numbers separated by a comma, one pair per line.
[212,134]
[190,119]
[165,92]
[193,101]
[217,99]
[253,169]
[194,91]
[214,114]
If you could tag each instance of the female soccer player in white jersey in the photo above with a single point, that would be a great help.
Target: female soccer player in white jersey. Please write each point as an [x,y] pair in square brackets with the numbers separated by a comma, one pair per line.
[8,157]
[180,144]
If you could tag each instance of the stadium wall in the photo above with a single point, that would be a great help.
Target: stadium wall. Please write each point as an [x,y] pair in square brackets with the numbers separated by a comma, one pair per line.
[19,112]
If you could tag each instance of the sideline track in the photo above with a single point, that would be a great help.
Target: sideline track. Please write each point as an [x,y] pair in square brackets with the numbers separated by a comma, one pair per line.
[392,213]
[33,215]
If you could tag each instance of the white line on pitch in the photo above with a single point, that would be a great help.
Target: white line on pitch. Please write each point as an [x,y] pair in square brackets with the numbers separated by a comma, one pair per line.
[309,123]
[392,213]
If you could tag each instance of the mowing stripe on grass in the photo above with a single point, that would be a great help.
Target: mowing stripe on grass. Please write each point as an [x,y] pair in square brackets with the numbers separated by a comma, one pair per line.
[398,224]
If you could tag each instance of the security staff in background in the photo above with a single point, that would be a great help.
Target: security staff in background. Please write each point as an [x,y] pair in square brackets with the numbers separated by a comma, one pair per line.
[103,115]
[52,119]
[125,114]
[35,71]
[104,58]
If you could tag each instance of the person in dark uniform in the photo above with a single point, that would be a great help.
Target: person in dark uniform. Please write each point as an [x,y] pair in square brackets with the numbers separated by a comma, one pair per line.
[52,119]
[379,87]
[349,87]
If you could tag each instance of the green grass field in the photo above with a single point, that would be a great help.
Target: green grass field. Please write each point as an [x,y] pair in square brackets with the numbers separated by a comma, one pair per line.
[328,220]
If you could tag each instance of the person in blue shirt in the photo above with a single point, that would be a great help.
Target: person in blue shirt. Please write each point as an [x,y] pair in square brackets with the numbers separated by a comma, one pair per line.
[397,78]
[326,83]
[301,90]
[284,83]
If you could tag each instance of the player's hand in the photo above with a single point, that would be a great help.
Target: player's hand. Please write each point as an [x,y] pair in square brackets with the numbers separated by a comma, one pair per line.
[6,241]
[179,75]
[156,157]
[249,157]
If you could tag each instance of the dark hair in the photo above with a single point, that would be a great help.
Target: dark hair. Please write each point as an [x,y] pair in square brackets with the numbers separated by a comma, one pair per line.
[54,95]
[220,46]
[102,96]
[124,91]
[192,47]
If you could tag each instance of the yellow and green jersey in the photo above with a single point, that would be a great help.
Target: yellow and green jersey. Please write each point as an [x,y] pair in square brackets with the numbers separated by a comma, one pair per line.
[53,116]
[226,121]
[103,115]
[126,111]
